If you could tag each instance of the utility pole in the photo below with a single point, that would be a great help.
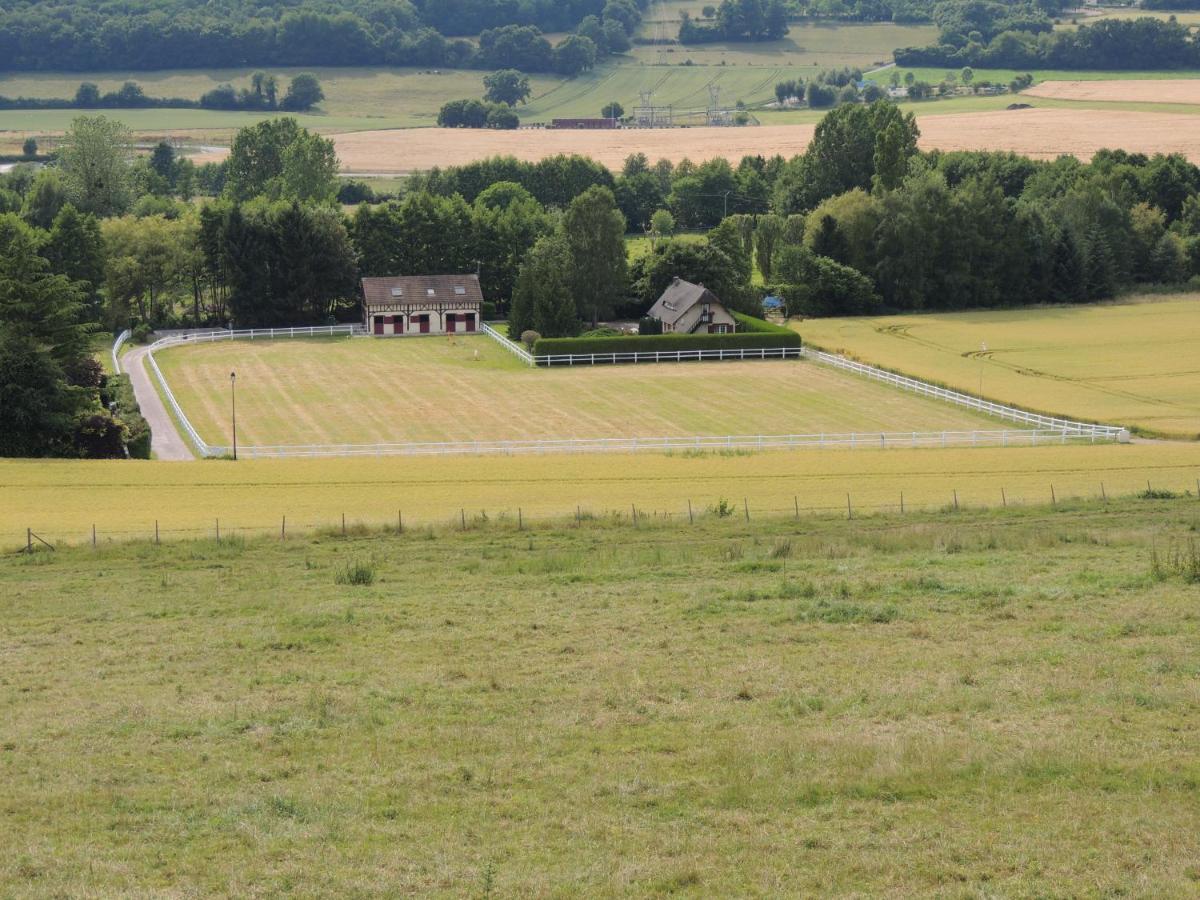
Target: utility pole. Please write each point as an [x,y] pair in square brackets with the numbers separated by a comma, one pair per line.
[233,409]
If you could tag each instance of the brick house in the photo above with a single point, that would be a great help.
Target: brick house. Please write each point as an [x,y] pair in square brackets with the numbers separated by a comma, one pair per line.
[421,304]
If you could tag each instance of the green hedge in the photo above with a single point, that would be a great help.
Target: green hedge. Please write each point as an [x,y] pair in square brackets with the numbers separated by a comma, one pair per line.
[125,407]
[752,334]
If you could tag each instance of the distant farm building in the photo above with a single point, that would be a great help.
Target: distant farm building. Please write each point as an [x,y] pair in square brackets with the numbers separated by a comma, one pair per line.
[586,124]
[421,304]
[686,308]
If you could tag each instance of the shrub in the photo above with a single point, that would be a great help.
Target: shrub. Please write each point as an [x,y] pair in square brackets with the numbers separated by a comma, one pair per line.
[530,339]
[125,408]
[753,334]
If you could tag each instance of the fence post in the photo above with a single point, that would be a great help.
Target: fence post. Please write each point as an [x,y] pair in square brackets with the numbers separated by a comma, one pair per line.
[93,535]
[691,518]
[796,503]
[956,499]
[343,524]
[849,508]
[1053,497]
[746,507]
[462,513]
[283,529]
[156,541]
[520,520]
[218,529]
[902,503]
[1003,497]
[399,521]
[1103,495]
[29,540]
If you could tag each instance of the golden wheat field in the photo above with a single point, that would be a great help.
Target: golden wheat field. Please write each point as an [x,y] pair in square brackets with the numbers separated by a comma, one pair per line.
[1132,363]
[61,500]
[1040,133]
[1133,90]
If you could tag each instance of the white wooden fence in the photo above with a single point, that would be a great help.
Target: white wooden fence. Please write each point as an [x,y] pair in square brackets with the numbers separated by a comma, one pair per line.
[683,444]
[1046,430]
[998,410]
[116,349]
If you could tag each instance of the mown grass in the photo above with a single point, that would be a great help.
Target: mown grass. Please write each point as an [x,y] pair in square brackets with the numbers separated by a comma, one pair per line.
[469,388]
[1126,363]
[1001,704]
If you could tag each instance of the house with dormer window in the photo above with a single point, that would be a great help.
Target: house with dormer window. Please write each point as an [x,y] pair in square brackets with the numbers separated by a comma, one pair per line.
[421,304]
[686,308]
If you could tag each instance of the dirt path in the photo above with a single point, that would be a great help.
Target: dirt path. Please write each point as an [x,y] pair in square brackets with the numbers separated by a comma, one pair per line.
[166,442]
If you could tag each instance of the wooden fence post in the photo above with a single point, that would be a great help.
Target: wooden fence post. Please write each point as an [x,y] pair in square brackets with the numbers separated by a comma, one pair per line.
[796,503]
[218,529]
[849,508]
[746,507]
[956,499]
[1003,497]
[902,503]
[691,517]
[462,514]
[1053,497]
[156,541]
[1103,493]
[28,540]
[93,535]
[520,520]
[343,524]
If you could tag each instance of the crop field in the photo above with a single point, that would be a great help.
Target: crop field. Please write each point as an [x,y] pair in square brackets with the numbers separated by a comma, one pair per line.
[734,709]
[359,391]
[1132,363]
[62,500]
[1181,90]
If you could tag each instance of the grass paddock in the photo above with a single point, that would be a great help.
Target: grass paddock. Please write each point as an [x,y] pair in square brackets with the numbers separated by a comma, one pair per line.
[991,704]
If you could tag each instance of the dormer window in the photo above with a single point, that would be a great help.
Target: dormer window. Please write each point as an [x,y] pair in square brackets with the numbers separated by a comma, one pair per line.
[397,292]
[460,290]
[430,292]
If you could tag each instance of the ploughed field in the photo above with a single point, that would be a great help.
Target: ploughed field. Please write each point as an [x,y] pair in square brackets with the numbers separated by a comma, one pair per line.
[1133,363]
[979,703]
[364,390]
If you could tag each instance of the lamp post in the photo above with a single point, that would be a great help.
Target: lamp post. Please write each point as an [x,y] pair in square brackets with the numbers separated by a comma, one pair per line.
[233,409]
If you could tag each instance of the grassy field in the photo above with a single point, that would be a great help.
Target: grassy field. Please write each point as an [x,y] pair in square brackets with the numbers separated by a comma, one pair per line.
[429,389]
[62,500]
[1129,363]
[763,709]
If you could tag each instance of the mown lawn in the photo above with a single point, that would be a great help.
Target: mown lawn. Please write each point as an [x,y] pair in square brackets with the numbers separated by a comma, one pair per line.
[1130,363]
[963,705]
[469,388]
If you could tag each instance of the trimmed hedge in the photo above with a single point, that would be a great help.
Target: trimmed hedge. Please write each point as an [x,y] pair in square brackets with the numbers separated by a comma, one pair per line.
[753,334]
[125,408]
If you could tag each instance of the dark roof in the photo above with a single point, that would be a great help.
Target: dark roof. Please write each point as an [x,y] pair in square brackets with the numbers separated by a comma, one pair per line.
[446,289]
[678,298]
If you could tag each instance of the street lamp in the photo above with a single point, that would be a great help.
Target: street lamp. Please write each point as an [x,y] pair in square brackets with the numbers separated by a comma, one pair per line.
[233,409]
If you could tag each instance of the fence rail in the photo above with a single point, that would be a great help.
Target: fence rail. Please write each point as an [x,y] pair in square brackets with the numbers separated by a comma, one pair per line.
[116,349]
[1046,429]
[511,346]
[853,441]
[661,356]
[998,410]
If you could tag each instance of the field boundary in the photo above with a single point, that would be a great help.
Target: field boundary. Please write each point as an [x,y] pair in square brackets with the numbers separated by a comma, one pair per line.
[116,350]
[1045,429]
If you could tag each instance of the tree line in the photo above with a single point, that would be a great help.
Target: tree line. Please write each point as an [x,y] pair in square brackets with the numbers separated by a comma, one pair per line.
[1143,43]
[168,34]
[303,93]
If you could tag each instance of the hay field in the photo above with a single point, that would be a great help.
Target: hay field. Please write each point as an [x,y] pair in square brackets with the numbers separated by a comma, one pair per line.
[872,708]
[362,391]
[1132,363]
[1180,90]
[1039,133]
[62,499]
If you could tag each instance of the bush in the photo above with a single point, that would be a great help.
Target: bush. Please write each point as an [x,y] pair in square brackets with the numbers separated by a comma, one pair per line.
[125,408]
[753,334]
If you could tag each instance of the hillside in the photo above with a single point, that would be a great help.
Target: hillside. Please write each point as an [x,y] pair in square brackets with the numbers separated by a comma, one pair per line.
[725,710]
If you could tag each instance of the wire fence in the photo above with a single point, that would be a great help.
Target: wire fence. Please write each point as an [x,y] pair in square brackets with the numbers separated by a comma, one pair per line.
[46,537]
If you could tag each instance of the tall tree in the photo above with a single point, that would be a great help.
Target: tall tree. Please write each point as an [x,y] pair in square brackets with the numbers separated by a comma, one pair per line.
[542,297]
[506,86]
[595,233]
[95,163]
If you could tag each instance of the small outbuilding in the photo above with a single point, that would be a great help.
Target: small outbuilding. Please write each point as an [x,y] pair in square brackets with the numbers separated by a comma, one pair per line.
[686,308]
[421,304]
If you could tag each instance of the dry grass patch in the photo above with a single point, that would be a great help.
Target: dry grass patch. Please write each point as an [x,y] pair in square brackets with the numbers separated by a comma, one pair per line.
[1182,90]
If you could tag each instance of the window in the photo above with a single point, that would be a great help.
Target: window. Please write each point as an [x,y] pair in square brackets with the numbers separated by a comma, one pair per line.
[460,290]
[397,292]
[430,292]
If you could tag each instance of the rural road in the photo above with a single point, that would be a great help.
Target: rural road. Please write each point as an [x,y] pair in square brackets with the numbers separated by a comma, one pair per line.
[166,443]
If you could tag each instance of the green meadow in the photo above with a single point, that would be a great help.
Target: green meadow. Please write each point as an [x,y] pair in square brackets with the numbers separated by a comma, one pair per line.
[960,704]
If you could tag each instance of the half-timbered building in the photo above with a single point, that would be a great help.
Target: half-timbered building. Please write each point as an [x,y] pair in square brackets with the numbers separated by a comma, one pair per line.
[421,304]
